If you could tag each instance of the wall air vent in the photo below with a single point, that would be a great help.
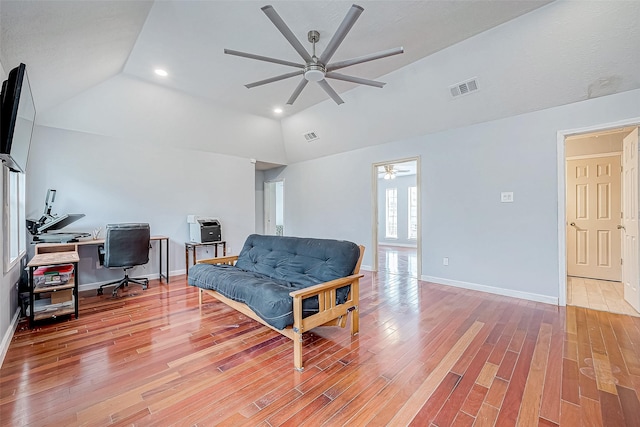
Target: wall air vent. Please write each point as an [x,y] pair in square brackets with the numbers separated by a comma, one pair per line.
[311,136]
[464,88]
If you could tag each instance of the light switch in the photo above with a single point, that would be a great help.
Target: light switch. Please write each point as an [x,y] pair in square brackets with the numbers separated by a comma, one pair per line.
[506,197]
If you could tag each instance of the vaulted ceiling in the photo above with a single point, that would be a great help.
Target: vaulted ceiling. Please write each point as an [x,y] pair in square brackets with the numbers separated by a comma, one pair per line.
[528,55]
[70,46]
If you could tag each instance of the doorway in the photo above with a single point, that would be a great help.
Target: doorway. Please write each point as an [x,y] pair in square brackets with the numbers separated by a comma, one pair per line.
[396,217]
[274,208]
[601,239]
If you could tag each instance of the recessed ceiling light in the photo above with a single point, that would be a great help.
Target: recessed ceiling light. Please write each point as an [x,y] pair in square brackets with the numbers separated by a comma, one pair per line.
[161,72]
[277,110]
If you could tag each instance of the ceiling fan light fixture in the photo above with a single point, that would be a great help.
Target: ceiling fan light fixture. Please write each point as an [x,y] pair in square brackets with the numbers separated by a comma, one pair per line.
[314,72]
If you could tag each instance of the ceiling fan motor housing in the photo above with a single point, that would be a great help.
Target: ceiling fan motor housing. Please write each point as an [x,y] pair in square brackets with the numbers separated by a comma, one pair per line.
[314,72]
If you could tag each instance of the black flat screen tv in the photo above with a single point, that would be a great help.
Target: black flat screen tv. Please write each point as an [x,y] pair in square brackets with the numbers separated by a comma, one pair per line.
[17,115]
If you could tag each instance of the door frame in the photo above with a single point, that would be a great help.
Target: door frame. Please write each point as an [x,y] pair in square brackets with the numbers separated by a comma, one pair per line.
[267,198]
[562,207]
[374,211]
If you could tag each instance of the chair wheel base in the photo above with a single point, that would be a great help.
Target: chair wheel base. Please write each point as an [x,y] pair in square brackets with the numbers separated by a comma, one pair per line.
[99,291]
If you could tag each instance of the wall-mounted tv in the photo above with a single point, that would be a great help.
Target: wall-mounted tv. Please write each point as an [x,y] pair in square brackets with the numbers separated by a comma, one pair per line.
[17,115]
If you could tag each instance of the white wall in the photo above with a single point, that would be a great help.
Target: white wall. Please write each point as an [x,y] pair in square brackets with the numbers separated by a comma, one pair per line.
[416,99]
[128,150]
[112,180]
[510,248]
[141,112]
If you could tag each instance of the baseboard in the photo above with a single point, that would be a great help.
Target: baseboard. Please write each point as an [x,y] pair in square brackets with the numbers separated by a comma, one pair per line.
[153,276]
[492,290]
[8,336]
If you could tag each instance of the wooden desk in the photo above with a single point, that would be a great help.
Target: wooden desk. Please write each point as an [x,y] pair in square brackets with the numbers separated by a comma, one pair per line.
[48,248]
[49,310]
[189,246]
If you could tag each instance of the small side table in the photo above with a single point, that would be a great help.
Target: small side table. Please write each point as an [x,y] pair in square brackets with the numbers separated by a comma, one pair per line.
[193,246]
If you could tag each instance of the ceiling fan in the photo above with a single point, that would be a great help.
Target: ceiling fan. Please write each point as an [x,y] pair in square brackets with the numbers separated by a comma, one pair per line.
[390,171]
[317,69]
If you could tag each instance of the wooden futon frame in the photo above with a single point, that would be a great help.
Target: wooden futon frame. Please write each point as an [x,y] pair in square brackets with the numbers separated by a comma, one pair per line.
[329,313]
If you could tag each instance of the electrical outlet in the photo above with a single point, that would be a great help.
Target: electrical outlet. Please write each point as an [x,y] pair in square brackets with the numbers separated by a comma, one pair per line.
[506,197]
[445,261]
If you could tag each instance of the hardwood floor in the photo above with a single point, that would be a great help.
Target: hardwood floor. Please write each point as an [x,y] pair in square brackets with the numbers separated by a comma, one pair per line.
[427,355]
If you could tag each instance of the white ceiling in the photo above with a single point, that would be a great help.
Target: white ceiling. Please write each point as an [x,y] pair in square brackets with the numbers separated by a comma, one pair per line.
[71,46]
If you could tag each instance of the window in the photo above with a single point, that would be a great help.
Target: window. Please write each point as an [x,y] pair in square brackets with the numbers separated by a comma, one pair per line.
[392,213]
[14,218]
[413,213]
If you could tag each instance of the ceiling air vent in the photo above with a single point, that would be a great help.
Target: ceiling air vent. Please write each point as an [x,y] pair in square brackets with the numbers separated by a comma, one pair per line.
[311,136]
[464,88]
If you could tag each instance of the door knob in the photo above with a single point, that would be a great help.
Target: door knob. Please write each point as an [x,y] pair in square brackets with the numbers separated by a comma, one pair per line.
[621,227]
[573,224]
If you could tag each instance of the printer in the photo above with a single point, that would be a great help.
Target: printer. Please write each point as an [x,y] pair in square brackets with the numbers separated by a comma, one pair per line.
[204,229]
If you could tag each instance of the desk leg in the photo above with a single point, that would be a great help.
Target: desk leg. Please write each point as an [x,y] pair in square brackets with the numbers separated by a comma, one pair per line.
[167,243]
[166,274]
[186,257]
[224,248]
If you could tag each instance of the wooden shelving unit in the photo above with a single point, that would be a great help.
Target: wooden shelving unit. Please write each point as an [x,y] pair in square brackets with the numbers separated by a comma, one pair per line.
[46,308]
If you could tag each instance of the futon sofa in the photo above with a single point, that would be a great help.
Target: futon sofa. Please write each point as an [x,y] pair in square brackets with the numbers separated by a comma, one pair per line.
[289,284]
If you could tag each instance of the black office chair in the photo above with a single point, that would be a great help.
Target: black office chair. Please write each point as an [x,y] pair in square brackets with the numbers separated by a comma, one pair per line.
[126,246]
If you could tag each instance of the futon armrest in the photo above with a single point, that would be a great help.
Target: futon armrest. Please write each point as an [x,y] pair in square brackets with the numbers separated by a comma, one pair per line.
[322,287]
[220,260]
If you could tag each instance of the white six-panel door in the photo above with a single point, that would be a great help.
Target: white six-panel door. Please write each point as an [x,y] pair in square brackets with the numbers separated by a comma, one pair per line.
[593,217]
[630,276]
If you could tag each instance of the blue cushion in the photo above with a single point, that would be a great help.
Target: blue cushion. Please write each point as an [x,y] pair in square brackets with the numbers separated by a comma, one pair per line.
[270,267]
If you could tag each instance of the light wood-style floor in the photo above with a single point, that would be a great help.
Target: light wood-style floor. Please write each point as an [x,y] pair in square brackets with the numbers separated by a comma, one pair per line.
[397,260]
[598,295]
[427,355]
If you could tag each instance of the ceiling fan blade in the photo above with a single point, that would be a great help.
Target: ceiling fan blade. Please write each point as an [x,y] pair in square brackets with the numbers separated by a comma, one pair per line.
[263,58]
[341,33]
[332,93]
[352,79]
[365,58]
[297,91]
[274,79]
[286,32]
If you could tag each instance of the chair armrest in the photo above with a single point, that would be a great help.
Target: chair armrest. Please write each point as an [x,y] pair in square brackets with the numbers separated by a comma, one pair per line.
[220,260]
[322,287]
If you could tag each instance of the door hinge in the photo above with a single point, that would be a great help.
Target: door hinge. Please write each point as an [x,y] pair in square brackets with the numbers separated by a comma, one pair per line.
[621,261]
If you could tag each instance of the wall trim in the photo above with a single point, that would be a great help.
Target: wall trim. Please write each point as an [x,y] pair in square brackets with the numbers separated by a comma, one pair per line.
[492,290]
[8,336]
